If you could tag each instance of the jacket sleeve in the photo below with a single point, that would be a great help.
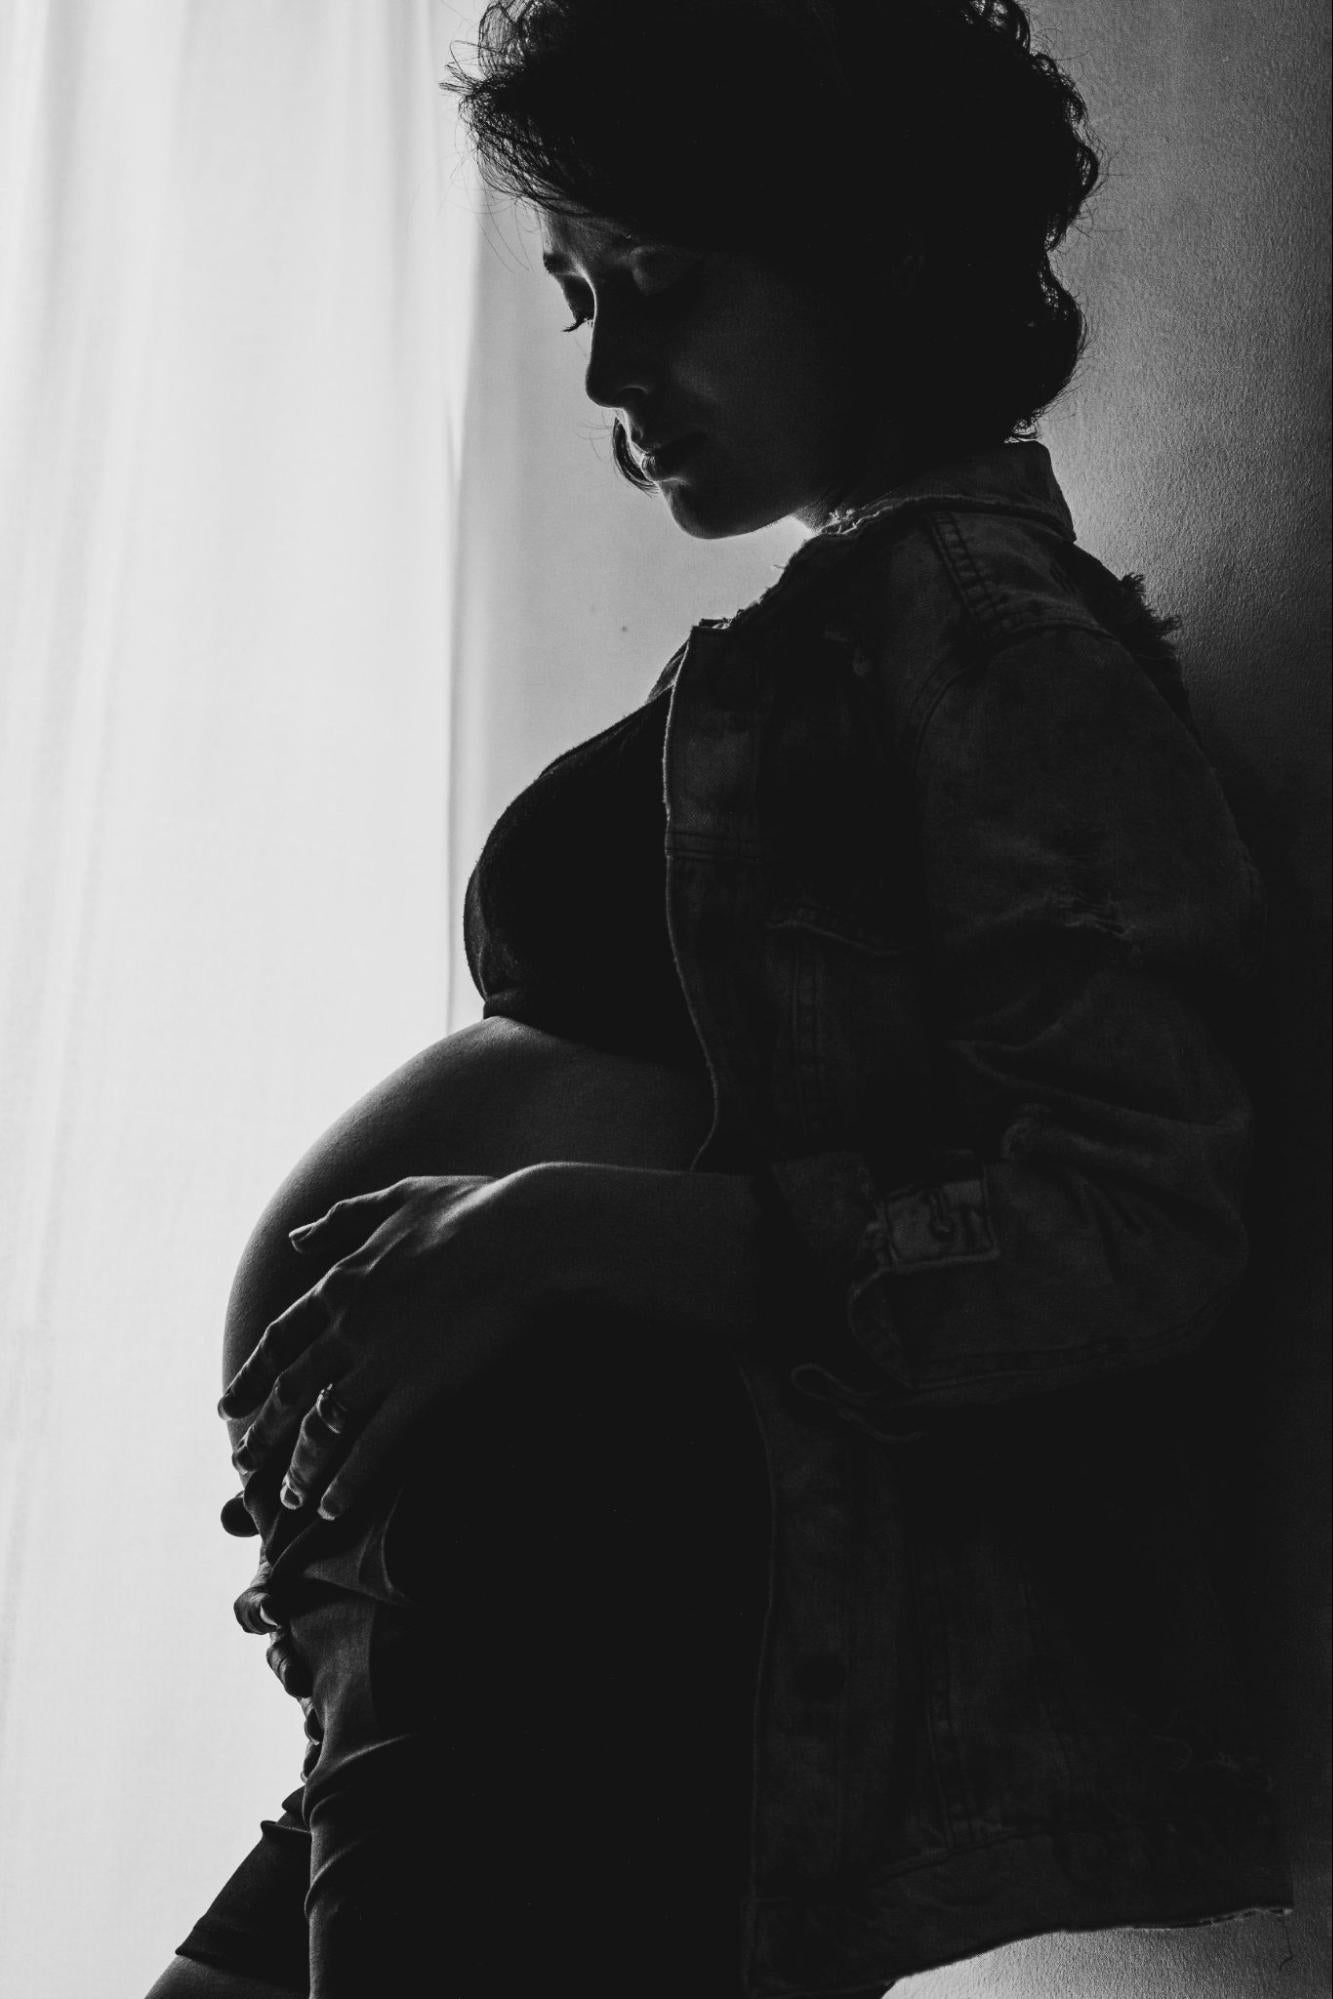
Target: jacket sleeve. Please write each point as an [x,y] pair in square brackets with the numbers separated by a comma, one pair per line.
[1087,892]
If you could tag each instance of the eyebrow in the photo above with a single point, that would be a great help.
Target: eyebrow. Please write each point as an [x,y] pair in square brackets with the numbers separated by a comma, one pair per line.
[618,240]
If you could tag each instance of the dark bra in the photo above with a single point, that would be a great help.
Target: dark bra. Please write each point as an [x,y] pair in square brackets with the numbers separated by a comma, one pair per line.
[565,916]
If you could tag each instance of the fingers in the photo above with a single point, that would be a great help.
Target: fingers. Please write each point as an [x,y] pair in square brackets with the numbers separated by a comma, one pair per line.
[346,1224]
[290,1667]
[374,1449]
[251,1607]
[319,1445]
[236,1518]
[286,1338]
[289,1402]
[337,1235]
[254,1613]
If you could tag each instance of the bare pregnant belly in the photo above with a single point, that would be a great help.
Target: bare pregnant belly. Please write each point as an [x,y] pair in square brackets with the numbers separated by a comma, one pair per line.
[491,1098]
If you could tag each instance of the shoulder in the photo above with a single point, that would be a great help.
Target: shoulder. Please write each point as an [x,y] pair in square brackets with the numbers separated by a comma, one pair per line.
[949,592]
[987,576]
[1037,702]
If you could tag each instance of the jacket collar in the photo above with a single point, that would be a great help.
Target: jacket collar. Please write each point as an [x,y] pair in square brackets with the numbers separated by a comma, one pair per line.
[1008,478]
[1012,479]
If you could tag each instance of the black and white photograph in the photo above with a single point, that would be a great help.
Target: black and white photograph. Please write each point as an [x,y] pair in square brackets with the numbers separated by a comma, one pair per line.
[664,1025]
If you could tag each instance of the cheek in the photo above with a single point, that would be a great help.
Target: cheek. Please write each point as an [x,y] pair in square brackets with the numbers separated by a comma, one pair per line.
[795,395]
[780,403]
[821,386]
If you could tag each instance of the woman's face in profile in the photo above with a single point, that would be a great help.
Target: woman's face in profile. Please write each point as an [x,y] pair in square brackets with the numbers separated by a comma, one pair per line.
[735,382]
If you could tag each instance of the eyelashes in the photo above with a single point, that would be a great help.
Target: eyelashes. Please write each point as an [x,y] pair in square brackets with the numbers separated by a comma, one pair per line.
[676,293]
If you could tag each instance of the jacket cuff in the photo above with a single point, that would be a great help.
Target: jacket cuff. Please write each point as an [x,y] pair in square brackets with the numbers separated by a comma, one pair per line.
[858,1236]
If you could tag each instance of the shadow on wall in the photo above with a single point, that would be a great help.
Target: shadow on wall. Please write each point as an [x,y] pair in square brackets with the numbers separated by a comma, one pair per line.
[1264,1441]
[1271,1440]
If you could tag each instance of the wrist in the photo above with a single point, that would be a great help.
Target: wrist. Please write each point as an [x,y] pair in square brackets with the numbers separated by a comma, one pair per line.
[541,1210]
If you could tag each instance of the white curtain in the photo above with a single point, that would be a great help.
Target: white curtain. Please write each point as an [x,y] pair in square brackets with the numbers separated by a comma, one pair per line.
[238,260]
[309,556]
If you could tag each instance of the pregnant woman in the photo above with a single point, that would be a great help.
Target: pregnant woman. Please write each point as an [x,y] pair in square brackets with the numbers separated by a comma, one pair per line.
[715,1431]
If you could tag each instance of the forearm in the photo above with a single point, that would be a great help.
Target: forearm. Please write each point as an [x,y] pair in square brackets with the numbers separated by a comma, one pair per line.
[682,1250]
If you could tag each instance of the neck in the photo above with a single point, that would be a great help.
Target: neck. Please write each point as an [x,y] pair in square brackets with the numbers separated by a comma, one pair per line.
[879,476]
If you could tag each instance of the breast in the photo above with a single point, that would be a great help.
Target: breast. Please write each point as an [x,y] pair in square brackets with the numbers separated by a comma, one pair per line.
[491,1098]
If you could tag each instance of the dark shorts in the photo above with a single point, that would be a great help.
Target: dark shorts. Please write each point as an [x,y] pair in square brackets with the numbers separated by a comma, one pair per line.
[534,1677]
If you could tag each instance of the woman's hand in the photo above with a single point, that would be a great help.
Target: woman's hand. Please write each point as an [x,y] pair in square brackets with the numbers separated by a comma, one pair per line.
[430,1282]
[254,1612]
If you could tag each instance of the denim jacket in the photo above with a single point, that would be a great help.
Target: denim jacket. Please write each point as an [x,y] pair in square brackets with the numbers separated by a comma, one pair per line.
[957,905]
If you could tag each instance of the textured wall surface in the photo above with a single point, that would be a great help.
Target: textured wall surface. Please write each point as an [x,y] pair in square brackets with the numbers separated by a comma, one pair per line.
[1193,449]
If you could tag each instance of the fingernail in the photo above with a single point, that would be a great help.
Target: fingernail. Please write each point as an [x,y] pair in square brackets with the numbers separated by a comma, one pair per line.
[329,1509]
[299,1235]
[289,1496]
[267,1619]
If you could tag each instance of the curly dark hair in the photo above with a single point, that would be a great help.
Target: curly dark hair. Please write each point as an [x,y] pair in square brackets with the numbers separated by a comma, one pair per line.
[914,149]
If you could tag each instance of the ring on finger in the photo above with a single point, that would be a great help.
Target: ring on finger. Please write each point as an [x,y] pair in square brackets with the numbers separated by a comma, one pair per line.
[332,1413]
[331,1410]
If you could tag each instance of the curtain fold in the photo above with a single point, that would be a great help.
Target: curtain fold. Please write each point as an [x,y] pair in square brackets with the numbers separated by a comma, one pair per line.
[235,323]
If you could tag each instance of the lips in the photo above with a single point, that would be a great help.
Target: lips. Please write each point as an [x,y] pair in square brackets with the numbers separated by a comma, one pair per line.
[660,459]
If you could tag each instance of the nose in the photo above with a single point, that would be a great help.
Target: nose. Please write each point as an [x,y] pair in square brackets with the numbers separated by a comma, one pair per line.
[621,362]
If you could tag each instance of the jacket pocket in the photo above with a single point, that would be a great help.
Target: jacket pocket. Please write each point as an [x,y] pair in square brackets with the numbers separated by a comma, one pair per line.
[851,1056]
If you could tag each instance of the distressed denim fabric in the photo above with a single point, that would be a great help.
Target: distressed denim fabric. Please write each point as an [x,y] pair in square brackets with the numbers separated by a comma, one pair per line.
[959,907]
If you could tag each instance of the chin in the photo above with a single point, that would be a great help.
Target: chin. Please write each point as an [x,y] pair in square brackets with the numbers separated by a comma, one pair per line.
[713,516]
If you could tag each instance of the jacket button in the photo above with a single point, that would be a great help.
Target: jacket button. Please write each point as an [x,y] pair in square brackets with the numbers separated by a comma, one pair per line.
[821,1679]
